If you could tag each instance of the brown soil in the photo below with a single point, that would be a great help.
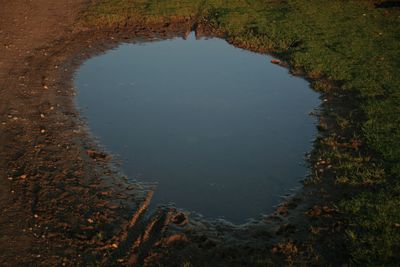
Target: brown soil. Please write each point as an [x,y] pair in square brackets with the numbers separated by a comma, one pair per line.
[57,207]
[24,27]
[62,201]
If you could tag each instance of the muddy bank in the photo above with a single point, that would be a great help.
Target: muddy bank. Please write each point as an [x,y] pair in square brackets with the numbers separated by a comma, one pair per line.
[65,201]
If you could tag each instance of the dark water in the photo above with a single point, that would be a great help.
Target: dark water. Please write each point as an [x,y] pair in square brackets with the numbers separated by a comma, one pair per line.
[222,130]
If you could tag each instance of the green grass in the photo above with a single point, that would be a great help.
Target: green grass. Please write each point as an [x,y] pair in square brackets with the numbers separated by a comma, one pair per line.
[350,44]
[118,12]
[374,229]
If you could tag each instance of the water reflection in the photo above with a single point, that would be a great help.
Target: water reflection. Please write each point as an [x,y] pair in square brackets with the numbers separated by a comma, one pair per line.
[222,130]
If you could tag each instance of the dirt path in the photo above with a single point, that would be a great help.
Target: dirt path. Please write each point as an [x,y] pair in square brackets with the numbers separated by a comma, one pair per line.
[27,25]
[41,213]
[24,27]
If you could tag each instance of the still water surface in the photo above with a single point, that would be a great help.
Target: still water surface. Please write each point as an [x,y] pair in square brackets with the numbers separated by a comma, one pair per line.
[221,130]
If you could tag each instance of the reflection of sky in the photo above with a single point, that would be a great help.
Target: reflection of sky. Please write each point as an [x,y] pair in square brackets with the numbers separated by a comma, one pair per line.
[222,130]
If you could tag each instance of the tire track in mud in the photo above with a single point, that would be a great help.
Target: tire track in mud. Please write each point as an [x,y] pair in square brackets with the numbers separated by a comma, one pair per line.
[130,237]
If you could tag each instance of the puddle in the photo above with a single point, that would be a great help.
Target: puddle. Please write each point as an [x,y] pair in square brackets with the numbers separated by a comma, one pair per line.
[221,130]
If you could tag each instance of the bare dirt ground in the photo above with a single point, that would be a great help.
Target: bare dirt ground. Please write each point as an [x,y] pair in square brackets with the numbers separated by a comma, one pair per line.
[54,206]
[24,27]
[61,201]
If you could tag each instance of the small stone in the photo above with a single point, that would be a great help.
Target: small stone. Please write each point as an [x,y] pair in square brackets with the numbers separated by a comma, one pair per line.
[45,87]
[180,219]
[95,155]
[43,131]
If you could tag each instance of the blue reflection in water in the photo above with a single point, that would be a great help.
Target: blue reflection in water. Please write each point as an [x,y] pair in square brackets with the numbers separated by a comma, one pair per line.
[222,130]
